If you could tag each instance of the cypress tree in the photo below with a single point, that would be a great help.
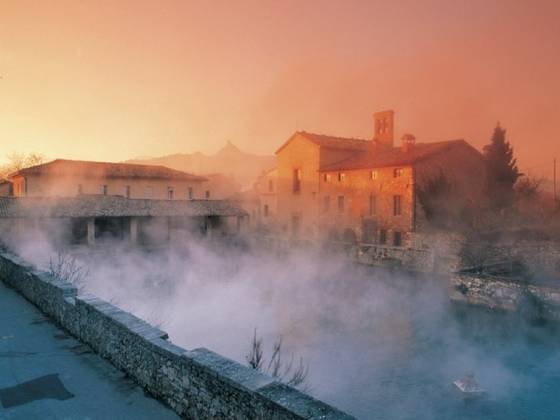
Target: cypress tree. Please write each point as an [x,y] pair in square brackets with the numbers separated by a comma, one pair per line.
[502,171]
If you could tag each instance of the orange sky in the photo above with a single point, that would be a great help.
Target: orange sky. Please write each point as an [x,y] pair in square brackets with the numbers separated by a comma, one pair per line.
[110,80]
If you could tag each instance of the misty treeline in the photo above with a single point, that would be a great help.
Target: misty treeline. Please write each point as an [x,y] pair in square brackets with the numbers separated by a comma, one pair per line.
[19,161]
[516,218]
[510,198]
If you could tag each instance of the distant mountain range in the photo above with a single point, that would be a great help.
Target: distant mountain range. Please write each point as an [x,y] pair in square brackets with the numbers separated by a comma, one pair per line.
[242,167]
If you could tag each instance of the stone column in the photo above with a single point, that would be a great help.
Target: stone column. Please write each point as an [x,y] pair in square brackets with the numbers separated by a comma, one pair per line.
[209,228]
[91,231]
[242,223]
[134,230]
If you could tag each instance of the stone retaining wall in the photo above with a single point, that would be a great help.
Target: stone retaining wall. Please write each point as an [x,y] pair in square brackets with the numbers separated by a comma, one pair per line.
[503,294]
[197,384]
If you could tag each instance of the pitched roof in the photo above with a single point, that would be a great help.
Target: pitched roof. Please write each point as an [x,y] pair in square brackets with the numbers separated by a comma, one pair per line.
[112,206]
[330,142]
[395,156]
[63,167]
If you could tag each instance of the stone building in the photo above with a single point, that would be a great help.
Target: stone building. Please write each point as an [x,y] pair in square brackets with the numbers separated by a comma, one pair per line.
[368,190]
[98,219]
[69,178]
[5,188]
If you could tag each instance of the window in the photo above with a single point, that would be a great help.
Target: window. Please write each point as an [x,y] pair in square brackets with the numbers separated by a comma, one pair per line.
[397,239]
[148,192]
[372,205]
[80,189]
[170,193]
[396,205]
[327,177]
[127,191]
[104,189]
[265,210]
[341,176]
[397,172]
[190,193]
[374,175]
[270,185]
[326,203]
[207,194]
[297,181]
[383,236]
[340,203]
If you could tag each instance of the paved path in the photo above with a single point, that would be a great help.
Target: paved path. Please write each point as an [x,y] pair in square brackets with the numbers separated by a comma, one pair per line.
[46,374]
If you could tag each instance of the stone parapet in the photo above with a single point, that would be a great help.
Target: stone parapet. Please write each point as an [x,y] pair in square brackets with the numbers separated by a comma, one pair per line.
[196,384]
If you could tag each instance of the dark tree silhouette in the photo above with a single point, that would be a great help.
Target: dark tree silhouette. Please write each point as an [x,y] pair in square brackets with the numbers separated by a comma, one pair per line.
[437,200]
[502,170]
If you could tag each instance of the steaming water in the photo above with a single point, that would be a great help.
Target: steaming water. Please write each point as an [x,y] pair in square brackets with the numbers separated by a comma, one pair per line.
[378,345]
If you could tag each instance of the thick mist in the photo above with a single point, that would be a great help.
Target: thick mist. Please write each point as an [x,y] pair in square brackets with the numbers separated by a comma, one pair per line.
[378,344]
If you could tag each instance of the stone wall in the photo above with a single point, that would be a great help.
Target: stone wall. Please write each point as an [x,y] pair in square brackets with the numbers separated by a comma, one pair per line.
[369,198]
[197,384]
[410,259]
[502,294]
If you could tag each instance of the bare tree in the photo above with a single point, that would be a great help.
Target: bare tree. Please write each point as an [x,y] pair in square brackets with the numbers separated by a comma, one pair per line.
[528,187]
[290,373]
[66,268]
[19,161]
[255,356]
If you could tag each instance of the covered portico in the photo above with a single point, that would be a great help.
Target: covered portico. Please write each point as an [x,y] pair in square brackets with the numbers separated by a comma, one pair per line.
[98,218]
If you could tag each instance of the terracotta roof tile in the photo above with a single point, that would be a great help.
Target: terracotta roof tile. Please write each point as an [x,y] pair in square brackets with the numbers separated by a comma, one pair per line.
[393,157]
[331,142]
[63,167]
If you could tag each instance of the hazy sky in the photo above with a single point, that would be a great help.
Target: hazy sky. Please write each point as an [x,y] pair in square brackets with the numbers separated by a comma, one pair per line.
[110,80]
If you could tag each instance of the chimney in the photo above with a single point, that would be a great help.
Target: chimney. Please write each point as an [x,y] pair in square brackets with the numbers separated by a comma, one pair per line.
[407,142]
[383,128]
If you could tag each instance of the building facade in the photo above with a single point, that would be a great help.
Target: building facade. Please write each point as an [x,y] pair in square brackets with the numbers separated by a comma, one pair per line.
[69,178]
[369,190]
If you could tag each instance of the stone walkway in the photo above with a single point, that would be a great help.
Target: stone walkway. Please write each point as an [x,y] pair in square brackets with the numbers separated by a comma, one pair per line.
[46,374]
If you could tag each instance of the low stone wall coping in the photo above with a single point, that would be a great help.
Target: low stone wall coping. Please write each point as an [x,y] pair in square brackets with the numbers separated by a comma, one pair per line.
[238,374]
[196,384]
